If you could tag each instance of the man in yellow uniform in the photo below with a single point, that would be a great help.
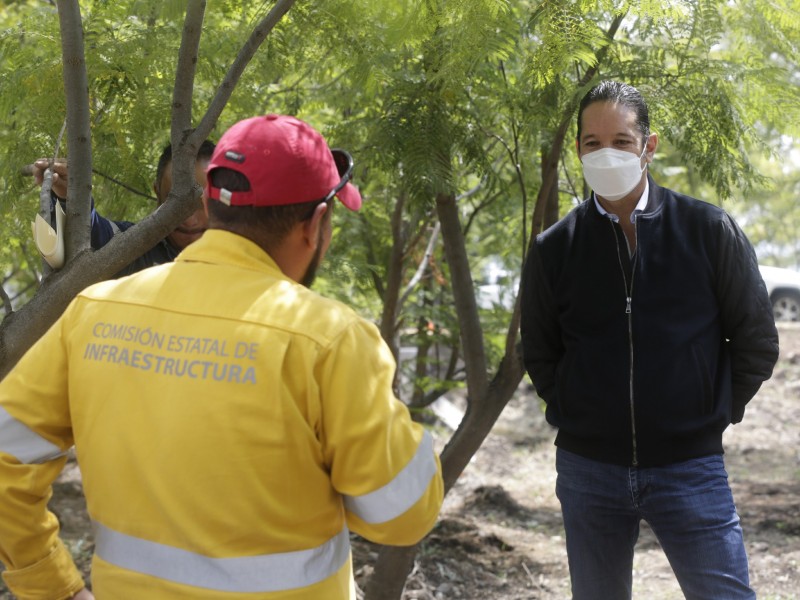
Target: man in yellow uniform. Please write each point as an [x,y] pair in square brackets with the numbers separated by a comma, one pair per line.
[232,427]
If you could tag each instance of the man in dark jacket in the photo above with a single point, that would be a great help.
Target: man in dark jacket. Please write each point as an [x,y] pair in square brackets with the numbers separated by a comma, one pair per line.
[646,329]
[104,229]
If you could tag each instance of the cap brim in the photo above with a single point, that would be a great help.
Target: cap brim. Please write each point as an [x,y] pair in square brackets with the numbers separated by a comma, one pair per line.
[349,196]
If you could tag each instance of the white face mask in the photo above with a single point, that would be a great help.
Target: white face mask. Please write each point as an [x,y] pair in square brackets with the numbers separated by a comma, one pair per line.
[612,173]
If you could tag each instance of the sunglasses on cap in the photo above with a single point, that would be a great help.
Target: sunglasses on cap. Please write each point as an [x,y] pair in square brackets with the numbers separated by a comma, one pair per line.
[344,166]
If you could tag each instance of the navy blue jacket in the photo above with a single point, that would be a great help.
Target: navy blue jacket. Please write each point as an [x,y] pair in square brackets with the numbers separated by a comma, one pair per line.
[646,360]
[104,229]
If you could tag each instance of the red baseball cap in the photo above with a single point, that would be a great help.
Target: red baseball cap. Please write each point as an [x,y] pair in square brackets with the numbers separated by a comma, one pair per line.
[285,160]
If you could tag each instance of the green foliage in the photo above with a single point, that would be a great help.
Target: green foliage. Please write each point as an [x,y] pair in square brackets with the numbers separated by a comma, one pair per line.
[770,214]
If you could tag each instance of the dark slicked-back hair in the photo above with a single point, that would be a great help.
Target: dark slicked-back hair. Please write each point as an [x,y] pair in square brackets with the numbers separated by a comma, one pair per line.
[622,93]
[270,224]
[204,152]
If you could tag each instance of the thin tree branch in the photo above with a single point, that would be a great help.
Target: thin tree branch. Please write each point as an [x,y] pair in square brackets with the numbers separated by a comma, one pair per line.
[572,187]
[394,277]
[7,308]
[465,304]
[417,237]
[517,167]
[24,290]
[371,257]
[131,189]
[28,170]
[79,131]
[478,209]
[513,155]
[422,267]
[44,196]
[185,71]
[184,145]
[31,269]
[471,192]
[244,57]
[47,179]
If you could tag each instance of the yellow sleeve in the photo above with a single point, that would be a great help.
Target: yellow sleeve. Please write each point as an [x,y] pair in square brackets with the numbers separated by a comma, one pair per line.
[35,434]
[382,462]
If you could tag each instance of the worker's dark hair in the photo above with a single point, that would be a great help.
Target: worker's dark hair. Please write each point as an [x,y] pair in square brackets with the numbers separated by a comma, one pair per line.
[204,152]
[272,223]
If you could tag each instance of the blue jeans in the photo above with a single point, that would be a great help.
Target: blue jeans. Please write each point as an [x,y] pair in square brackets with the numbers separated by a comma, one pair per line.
[689,507]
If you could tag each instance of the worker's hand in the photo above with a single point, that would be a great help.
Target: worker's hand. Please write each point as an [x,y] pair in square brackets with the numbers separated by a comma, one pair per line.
[59,175]
[84,594]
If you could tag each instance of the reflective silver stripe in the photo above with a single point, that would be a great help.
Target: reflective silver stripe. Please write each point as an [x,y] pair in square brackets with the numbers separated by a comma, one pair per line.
[262,573]
[402,492]
[21,442]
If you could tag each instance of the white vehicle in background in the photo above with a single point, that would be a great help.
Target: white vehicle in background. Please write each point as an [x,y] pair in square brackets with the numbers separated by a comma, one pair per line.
[783,287]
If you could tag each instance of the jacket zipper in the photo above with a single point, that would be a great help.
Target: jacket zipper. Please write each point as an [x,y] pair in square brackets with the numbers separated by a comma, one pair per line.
[628,299]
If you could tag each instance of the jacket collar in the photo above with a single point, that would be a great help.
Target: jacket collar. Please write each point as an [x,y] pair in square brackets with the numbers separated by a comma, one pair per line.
[655,198]
[225,248]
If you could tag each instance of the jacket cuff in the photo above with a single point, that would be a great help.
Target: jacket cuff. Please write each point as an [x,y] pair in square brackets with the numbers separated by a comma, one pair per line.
[55,577]
[737,414]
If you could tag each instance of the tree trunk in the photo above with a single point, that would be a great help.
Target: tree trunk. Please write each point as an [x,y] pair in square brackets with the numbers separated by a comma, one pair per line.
[485,401]
[394,562]
[550,171]
[391,570]
[394,281]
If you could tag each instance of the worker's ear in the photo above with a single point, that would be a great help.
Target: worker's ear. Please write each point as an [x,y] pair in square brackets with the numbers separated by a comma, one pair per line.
[312,226]
[651,145]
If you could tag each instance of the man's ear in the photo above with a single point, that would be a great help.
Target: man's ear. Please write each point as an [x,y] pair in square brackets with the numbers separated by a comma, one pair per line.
[155,191]
[313,226]
[652,144]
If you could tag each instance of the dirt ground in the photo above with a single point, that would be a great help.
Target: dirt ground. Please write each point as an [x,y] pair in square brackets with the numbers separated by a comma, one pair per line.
[500,534]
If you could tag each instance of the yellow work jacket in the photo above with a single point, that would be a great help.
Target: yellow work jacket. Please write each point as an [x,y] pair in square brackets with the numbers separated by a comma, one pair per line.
[231,426]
